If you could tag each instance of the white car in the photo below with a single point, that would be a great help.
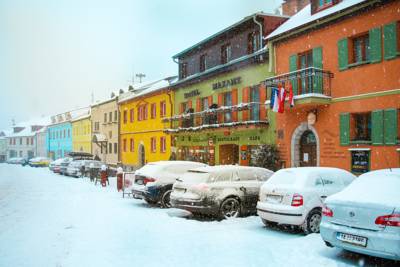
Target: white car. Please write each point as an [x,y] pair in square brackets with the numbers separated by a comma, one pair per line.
[74,168]
[295,196]
[153,182]
[365,217]
[224,191]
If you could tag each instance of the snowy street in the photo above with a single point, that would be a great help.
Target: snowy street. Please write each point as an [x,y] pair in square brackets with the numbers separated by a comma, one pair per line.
[51,220]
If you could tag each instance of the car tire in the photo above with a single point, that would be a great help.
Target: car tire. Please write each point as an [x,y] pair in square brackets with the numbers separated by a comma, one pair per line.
[313,220]
[269,223]
[230,208]
[165,199]
[150,202]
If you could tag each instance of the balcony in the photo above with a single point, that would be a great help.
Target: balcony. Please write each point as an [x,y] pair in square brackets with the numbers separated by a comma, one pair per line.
[311,86]
[244,114]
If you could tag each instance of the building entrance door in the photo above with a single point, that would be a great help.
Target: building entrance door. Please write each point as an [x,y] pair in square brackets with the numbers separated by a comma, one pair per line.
[308,149]
[228,154]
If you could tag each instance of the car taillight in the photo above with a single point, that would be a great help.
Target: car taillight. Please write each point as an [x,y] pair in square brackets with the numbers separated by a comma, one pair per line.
[297,200]
[148,180]
[389,220]
[327,211]
[201,187]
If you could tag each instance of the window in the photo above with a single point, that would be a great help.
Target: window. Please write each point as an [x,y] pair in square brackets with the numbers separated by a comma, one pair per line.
[110,148]
[110,117]
[226,53]
[64,134]
[125,116]
[203,62]
[132,115]
[153,111]
[110,134]
[228,103]
[142,112]
[360,127]
[27,141]
[124,145]
[163,144]
[183,70]
[324,3]
[69,133]
[153,141]
[115,115]
[115,148]
[253,42]
[255,108]
[360,49]
[163,109]
[305,83]
[132,145]
[11,141]
[105,117]
[32,141]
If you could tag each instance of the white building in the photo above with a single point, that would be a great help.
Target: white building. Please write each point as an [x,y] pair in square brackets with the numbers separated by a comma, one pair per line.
[3,147]
[41,144]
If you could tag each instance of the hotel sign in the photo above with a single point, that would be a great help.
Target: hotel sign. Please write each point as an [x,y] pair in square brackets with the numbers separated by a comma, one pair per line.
[226,83]
[192,93]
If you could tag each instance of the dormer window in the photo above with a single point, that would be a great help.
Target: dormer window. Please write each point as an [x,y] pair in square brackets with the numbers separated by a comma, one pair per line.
[183,70]
[226,53]
[253,42]
[324,3]
[318,5]
[203,62]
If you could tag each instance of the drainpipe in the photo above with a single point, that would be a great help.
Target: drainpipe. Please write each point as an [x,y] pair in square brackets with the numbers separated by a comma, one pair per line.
[171,112]
[261,30]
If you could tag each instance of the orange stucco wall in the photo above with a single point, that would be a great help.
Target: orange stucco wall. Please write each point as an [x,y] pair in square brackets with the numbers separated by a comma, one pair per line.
[369,78]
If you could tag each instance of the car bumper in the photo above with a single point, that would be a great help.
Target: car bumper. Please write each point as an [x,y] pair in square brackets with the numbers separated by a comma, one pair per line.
[379,243]
[280,213]
[202,206]
[151,193]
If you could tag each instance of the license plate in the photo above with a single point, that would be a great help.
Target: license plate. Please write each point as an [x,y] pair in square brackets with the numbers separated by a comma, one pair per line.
[352,239]
[274,198]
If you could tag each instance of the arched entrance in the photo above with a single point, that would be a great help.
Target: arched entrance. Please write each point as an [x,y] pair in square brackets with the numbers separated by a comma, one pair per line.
[305,146]
[142,156]
[308,149]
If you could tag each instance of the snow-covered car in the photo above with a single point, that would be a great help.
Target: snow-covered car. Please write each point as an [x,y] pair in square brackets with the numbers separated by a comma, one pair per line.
[153,182]
[365,217]
[224,191]
[64,165]
[17,160]
[295,196]
[39,162]
[56,165]
[74,168]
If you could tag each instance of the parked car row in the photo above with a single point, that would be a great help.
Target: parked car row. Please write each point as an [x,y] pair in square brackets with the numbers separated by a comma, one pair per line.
[74,167]
[356,214]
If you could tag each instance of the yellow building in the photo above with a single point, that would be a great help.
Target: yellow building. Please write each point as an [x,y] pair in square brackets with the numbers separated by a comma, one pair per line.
[82,134]
[142,110]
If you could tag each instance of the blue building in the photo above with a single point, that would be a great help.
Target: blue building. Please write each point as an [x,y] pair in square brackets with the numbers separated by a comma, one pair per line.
[59,136]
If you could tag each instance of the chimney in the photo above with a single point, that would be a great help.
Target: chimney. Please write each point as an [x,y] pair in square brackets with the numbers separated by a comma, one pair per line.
[291,7]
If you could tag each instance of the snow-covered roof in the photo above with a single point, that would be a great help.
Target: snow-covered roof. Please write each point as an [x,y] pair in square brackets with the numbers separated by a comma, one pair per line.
[81,117]
[220,168]
[26,132]
[147,88]
[72,115]
[304,16]
[105,101]
[42,121]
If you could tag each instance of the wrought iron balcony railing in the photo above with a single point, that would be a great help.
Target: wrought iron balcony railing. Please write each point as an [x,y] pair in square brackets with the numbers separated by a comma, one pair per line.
[305,81]
[217,117]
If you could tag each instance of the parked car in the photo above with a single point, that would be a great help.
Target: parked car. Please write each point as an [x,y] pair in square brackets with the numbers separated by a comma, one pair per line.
[365,217]
[55,166]
[78,168]
[39,162]
[153,182]
[295,196]
[224,191]
[64,165]
[18,160]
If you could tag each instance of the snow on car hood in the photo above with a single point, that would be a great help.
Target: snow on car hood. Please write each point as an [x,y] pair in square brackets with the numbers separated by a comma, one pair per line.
[381,188]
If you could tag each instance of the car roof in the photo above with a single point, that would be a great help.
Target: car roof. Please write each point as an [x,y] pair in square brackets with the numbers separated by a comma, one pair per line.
[221,168]
[174,162]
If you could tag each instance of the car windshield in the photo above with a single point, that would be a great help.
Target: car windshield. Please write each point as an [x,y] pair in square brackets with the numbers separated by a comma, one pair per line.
[193,176]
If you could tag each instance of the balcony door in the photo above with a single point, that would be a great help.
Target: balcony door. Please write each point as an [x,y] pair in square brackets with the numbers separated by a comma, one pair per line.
[255,108]
[305,61]
[228,103]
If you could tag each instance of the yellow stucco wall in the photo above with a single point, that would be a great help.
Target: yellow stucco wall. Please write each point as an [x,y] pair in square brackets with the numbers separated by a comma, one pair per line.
[142,131]
[81,135]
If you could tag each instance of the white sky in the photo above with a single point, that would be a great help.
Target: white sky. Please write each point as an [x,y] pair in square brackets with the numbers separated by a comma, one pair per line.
[55,54]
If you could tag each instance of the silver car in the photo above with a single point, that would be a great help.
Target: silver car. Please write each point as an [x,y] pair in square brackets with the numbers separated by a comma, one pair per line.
[365,217]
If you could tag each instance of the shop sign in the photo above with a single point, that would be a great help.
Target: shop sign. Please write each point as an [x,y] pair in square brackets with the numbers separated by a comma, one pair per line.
[360,161]
[228,138]
[192,93]
[255,138]
[226,83]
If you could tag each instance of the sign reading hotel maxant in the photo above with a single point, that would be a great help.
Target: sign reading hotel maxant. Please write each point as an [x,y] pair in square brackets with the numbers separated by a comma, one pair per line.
[226,83]
[191,93]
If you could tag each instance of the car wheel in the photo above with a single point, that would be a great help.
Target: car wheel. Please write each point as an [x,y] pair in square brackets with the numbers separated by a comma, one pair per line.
[313,220]
[150,202]
[269,223]
[230,208]
[165,199]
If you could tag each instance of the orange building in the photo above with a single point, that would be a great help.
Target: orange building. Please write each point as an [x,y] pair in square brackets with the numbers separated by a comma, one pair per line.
[343,61]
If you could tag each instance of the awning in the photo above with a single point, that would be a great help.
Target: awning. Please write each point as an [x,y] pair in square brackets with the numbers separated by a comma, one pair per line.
[99,138]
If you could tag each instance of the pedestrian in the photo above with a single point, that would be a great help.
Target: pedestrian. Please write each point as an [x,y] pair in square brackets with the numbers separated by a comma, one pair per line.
[92,172]
[104,175]
[120,173]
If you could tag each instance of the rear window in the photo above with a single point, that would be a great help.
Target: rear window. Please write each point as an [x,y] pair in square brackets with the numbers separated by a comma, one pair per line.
[195,177]
[150,169]
[287,177]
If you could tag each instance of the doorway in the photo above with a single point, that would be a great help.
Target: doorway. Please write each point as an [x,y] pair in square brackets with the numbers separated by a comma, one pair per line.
[308,149]
[229,154]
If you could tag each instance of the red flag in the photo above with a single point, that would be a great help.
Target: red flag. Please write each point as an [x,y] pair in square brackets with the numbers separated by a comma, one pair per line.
[291,99]
[282,96]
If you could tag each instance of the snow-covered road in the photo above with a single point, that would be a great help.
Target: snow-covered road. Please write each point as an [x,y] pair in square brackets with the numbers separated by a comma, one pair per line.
[51,220]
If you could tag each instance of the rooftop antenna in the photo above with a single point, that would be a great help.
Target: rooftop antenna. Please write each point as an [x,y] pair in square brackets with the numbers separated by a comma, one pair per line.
[140,76]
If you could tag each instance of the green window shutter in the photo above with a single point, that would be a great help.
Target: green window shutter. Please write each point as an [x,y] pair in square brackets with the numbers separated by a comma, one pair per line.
[390,126]
[317,63]
[293,67]
[375,43]
[344,129]
[377,127]
[343,53]
[390,40]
